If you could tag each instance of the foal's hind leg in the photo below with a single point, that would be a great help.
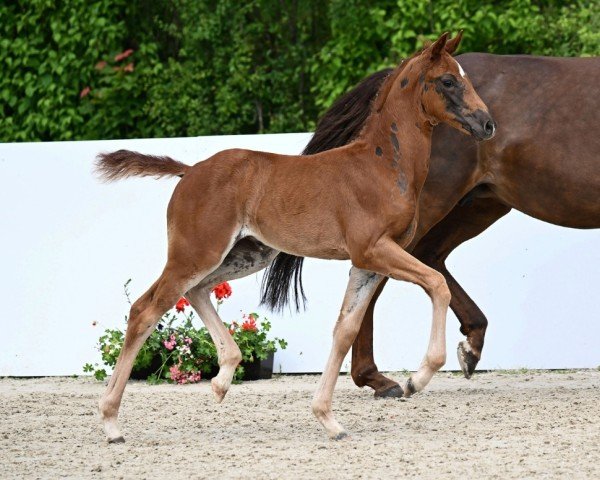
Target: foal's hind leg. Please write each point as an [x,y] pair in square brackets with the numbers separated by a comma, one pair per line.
[227,350]
[246,257]
[361,287]
[388,258]
[144,315]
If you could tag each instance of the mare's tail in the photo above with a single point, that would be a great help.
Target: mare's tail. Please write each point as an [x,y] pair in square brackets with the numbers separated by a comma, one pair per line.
[125,163]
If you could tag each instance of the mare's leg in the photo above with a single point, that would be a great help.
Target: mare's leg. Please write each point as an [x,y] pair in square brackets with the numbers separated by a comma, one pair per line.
[363,368]
[387,257]
[361,287]
[144,315]
[461,224]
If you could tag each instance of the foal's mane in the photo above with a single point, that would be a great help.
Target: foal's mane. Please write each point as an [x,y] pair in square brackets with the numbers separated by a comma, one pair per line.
[386,87]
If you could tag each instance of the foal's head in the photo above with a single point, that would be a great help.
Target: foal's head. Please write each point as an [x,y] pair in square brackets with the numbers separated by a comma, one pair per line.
[447,95]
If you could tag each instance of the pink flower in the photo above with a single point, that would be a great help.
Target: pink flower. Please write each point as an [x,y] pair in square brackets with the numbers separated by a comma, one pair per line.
[170,344]
[100,65]
[85,92]
[129,67]
[123,55]
[182,377]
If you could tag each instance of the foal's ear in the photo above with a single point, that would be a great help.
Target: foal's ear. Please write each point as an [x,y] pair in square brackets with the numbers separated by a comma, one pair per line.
[452,44]
[436,49]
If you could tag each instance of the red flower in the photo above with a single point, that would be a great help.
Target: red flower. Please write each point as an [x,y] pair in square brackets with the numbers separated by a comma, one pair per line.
[128,67]
[221,291]
[85,92]
[100,65]
[123,55]
[250,325]
[181,304]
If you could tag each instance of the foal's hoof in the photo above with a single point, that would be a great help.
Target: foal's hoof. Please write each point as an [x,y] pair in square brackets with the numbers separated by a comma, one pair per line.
[118,439]
[218,390]
[340,436]
[392,392]
[409,388]
[466,358]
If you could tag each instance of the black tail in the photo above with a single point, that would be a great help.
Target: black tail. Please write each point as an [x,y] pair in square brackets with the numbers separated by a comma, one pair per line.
[339,126]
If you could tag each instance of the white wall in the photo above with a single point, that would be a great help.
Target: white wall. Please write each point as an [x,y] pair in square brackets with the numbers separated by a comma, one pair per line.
[68,244]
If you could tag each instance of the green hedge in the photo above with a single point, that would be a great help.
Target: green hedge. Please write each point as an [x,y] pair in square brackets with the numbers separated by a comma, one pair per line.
[227,67]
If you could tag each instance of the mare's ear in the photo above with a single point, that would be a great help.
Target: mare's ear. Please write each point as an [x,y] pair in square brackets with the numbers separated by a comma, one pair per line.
[452,44]
[435,50]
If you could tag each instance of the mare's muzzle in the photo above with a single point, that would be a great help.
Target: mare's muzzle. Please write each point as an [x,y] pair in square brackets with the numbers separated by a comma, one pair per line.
[480,124]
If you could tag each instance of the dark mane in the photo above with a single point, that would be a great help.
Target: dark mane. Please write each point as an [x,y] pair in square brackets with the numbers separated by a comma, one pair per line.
[341,124]
[346,117]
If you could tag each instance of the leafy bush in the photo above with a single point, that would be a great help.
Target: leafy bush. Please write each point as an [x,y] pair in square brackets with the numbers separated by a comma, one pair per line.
[229,67]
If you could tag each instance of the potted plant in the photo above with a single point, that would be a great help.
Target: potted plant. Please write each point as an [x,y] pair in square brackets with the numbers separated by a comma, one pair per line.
[257,350]
[178,352]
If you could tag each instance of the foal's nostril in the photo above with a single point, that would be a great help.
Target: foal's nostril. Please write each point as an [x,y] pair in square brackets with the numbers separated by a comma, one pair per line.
[489,127]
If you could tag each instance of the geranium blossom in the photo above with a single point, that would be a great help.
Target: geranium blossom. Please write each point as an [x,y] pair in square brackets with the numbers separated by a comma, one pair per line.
[181,377]
[221,291]
[170,343]
[181,304]
[249,324]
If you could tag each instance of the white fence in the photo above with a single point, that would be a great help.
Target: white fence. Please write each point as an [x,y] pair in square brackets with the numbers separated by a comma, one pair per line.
[69,243]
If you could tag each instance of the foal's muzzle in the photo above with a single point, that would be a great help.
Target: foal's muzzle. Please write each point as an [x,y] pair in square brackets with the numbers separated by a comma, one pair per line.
[480,124]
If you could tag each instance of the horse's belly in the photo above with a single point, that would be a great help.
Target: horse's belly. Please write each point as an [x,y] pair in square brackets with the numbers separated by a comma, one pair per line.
[564,205]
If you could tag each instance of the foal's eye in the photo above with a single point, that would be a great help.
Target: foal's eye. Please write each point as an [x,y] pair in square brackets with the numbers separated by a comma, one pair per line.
[447,83]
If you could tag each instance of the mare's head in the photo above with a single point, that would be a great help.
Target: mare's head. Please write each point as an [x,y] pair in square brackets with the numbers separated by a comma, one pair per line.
[447,95]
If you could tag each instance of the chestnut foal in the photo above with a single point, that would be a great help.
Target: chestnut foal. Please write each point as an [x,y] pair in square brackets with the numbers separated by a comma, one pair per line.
[357,202]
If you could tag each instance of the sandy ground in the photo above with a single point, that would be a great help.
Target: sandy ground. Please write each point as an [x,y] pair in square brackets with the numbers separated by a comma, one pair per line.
[496,425]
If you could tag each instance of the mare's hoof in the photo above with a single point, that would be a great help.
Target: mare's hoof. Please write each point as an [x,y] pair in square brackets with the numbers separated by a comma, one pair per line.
[466,358]
[340,436]
[119,439]
[391,392]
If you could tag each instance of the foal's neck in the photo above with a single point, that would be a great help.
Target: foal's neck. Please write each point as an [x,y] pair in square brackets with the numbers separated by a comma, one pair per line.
[398,131]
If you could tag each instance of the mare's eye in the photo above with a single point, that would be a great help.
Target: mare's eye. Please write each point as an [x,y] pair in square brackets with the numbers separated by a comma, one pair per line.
[447,83]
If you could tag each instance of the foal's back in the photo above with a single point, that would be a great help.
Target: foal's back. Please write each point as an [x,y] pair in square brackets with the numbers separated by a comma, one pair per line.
[299,204]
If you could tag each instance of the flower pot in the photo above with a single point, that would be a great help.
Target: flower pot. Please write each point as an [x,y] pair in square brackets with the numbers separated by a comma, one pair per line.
[144,373]
[259,369]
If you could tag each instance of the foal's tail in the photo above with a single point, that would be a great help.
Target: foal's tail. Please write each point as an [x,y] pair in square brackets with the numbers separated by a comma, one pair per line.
[125,163]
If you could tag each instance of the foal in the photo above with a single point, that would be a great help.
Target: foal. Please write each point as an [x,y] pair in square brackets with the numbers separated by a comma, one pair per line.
[357,202]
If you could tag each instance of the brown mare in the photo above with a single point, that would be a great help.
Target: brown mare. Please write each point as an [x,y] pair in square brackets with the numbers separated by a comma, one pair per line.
[357,202]
[544,161]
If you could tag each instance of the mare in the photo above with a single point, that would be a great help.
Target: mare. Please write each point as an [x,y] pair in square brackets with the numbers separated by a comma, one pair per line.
[357,202]
[543,161]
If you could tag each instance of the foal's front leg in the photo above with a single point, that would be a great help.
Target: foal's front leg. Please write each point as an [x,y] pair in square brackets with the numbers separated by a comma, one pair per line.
[387,257]
[361,287]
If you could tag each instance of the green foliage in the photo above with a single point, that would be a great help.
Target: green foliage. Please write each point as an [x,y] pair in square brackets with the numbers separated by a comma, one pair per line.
[230,67]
